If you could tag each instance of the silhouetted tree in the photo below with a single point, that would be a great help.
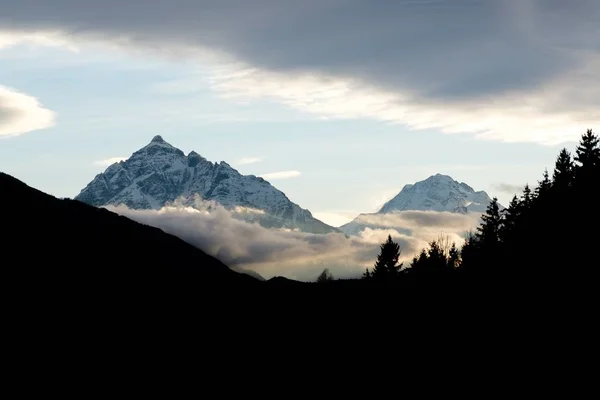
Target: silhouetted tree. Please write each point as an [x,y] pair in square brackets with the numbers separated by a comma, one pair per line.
[544,185]
[453,257]
[420,260]
[488,233]
[587,155]
[367,275]
[387,267]
[517,236]
[325,276]
[526,198]
[470,253]
[511,217]
[563,171]
[438,258]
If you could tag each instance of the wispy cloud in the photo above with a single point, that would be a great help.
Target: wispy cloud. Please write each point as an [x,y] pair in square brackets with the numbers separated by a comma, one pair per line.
[46,39]
[426,225]
[109,161]
[509,188]
[249,160]
[21,113]
[281,175]
[503,118]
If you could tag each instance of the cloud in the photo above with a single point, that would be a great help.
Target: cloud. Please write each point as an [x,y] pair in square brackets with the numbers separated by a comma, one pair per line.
[281,175]
[249,160]
[109,161]
[509,70]
[46,39]
[415,220]
[335,218]
[509,188]
[21,113]
[270,252]
[426,225]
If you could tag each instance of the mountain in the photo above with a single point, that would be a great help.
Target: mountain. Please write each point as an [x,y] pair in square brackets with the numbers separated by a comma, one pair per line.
[158,174]
[436,193]
[63,242]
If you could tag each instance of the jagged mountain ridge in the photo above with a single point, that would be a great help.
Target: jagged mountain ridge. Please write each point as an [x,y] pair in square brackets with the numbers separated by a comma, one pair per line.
[159,174]
[439,193]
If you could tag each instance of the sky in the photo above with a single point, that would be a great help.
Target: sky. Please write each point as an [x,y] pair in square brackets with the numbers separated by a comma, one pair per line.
[338,103]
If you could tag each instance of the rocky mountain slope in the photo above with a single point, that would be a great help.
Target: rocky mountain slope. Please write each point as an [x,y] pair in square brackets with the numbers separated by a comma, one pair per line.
[159,174]
[436,193]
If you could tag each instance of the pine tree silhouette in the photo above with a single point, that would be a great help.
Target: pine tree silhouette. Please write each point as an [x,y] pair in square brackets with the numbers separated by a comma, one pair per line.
[544,185]
[325,276]
[453,257]
[563,171]
[516,237]
[387,267]
[367,275]
[489,231]
[511,219]
[587,153]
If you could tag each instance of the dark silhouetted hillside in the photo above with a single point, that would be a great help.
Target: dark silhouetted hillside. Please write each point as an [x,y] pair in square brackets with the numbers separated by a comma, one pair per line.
[70,245]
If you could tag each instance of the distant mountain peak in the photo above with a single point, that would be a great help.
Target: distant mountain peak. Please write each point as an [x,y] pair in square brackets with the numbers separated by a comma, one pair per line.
[438,192]
[159,173]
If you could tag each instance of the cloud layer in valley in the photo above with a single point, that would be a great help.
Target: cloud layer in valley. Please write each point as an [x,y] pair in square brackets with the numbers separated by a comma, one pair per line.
[296,255]
[510,70]
[21,113]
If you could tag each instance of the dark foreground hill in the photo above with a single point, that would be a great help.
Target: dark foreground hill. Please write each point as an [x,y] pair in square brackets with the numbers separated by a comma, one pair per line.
[67,244]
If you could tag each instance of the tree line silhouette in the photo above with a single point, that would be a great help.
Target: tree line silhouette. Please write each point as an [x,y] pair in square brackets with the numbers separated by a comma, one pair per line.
[545,234]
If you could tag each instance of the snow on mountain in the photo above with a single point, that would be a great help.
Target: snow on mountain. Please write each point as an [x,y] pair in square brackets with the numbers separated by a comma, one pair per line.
[437,193]
[159,174]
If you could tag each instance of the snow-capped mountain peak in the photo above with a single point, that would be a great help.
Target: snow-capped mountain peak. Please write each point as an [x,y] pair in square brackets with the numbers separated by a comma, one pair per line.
[159,173]
[438,193]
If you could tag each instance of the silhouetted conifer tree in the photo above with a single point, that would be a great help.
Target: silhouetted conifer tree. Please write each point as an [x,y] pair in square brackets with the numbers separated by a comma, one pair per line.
[367,275]
[420,260]
[544,185]
[587,155]
[437,259]
[453,257]
[563,171]
[325,276]
[489,231]
[387,267]
[527,197]
[470,254]
[511,218]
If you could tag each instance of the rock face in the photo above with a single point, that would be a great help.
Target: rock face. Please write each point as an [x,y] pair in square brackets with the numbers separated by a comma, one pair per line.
[437,193]
[159,174]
